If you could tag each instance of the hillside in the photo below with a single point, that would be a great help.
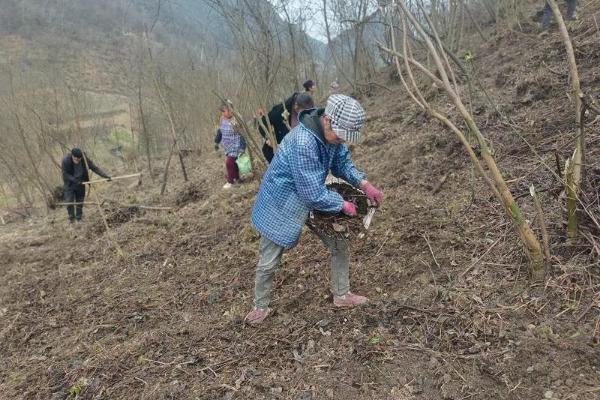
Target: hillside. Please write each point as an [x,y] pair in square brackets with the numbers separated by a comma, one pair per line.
[78,72]
[92,44]
[452,314]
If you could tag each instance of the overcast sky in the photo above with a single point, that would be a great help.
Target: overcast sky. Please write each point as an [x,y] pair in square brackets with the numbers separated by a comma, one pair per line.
[315,26]
[313,12]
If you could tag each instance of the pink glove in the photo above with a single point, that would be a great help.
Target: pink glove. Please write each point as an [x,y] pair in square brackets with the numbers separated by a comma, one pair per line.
[372,193]
[349,209]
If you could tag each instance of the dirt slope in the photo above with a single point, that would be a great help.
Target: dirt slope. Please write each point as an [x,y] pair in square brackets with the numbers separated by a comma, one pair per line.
[452,315]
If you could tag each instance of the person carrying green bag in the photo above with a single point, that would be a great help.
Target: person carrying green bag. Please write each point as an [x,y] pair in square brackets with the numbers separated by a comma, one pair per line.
[233,144]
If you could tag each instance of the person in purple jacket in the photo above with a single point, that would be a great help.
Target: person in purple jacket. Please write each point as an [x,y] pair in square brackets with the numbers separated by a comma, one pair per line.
[233,144]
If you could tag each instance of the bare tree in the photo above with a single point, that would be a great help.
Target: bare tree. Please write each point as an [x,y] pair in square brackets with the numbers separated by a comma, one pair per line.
[575,165]
[446,80]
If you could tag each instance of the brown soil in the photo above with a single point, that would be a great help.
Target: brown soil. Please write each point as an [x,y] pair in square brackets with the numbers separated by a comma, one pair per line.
[451,315]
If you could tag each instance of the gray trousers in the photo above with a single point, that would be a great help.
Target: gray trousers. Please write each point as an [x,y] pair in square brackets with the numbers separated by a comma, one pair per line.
[270,258]
[548,15]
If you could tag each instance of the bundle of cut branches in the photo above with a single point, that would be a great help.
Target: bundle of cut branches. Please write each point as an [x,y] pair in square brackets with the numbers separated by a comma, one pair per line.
[341,225]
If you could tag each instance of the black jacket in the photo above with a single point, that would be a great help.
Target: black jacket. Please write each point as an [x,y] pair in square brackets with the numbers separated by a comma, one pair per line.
[276,118]
[311,118]
[278,123]
[68,171]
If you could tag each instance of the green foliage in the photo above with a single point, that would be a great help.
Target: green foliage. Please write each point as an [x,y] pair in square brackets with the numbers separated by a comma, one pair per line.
[132,198]
[544,331]
[77,389]
[3,200]
[121,137]
[165,222]
[376,339]
[516,213]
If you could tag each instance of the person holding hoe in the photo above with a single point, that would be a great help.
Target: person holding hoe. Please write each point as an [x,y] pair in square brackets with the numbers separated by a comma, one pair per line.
[75,173]
[294,184]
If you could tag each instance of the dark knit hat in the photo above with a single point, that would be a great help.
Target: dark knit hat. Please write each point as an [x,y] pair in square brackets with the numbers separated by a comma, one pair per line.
[76,152]
[304,101]
[308,84]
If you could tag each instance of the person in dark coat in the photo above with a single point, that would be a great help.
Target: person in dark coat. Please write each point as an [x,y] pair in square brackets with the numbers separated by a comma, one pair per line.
[75,172]
[283,117]
[310,86]
[548,15]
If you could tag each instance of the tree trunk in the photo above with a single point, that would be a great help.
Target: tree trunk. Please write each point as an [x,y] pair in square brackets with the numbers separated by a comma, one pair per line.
[574,174]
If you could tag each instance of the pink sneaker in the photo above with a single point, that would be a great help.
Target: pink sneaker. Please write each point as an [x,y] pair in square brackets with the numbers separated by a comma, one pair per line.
[257,315]
[349,300]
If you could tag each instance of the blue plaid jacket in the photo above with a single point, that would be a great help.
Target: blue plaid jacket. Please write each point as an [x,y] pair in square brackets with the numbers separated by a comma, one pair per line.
[294,184]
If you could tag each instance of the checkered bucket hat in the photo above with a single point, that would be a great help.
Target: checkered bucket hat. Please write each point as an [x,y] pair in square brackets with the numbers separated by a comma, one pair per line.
[347,116]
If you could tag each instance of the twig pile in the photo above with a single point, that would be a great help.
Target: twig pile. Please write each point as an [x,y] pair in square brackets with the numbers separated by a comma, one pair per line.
[56,196]
[341,225]
[122,215]
[190,193]
[116,215]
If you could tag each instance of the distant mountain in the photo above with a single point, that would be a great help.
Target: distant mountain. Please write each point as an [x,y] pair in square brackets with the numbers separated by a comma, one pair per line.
[89,42]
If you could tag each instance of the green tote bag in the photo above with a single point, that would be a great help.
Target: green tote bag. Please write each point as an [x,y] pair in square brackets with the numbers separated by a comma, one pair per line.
[244,164]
